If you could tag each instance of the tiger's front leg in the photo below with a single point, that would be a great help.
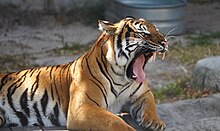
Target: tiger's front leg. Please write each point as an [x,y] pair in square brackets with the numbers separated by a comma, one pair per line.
[143,110]
[85,114]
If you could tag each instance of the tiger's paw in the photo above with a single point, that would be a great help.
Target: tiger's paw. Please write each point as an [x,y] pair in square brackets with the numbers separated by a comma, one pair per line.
[154,124]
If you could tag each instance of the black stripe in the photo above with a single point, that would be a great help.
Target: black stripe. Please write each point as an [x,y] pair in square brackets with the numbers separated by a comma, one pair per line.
[51,70]
[56,110]
[136,90]
[23,119]
[129,28]
[127,35]
[94,76]
[116,72]
[57,66]
[51,90]
[105,67]
[18,72]
[44,102]
[130,51]
[140,27]
[124,89]
[54,118]
[92,100]
[4,80]
[39,119]
[106,101]
[68,74]
[135,111]
[47,67]
[3,101]
[122,53]
[33,72]
[129,46]
[36,83]
[24,103]
[101,69]
[54,83]
[60,73]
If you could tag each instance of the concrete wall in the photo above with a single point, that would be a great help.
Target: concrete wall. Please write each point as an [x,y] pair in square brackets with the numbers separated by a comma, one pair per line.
[48,5]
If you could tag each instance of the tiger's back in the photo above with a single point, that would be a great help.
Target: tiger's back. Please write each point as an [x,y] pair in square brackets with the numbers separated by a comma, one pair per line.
[36,96]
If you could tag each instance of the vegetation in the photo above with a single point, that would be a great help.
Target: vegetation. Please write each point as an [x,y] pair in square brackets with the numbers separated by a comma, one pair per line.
[201,46]
[11,63]
[72,49]
[179,90]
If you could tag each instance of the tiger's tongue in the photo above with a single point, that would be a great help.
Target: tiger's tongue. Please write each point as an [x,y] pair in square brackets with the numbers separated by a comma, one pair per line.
[138,69]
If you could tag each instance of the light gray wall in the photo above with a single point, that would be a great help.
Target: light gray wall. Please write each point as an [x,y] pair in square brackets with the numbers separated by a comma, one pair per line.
[48,5]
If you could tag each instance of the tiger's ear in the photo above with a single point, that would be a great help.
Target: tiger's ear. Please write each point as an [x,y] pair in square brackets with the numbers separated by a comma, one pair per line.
[108,27]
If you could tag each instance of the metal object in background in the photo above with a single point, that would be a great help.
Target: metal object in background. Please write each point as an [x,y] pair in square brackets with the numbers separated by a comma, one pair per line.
[167,15]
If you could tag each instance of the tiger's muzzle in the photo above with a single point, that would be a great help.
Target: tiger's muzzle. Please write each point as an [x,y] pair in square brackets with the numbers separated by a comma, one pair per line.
[135,68]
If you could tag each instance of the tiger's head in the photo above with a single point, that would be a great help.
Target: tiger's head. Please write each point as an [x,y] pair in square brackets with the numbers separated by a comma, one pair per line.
[133,43]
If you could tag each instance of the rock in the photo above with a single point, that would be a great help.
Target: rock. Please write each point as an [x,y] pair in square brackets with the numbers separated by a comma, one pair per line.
[206,124]
[207,73]
[195,114]
[161,72]
[187,111]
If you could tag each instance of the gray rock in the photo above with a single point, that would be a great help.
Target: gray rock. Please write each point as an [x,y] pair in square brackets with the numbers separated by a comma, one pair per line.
[188,115]
[206,124]
[185,112]
[207,73]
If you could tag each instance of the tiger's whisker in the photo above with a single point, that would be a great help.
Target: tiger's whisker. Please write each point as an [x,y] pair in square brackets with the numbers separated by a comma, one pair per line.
[169,32]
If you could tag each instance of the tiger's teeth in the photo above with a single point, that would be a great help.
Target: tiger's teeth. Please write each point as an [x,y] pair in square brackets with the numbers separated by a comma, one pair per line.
[163,56]
[134,76]
[154,56]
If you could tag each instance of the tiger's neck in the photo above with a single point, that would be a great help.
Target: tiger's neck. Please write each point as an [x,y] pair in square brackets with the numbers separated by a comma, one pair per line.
[103,57]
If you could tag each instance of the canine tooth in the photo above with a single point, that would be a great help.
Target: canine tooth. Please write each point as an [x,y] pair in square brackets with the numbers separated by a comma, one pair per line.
[154,56]
[163,56]
[134,76]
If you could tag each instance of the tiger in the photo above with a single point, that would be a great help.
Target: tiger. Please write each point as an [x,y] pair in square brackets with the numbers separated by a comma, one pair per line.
[89,92]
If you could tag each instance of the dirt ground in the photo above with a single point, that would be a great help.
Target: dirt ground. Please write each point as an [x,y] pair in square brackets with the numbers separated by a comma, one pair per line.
[35,39]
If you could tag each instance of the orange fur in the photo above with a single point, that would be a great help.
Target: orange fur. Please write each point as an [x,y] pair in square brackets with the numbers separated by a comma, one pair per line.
[87,92]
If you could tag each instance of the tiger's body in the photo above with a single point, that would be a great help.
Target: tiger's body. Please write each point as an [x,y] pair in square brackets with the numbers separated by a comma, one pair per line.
[87,93]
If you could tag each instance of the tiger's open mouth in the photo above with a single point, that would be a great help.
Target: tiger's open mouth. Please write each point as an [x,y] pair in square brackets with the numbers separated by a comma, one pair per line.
[135,68]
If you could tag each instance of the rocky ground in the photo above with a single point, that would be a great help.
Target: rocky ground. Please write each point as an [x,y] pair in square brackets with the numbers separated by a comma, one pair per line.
[36,44]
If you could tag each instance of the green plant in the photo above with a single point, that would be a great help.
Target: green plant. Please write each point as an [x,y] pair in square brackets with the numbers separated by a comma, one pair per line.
[9,63]
[178,90]
[203,39]
[201,46]
[168,92]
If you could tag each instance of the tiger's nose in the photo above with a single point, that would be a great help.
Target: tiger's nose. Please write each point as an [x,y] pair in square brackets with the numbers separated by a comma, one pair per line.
[165,45]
